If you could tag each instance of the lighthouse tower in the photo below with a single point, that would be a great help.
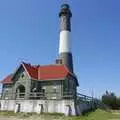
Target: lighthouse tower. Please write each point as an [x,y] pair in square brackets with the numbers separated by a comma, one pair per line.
[65,54]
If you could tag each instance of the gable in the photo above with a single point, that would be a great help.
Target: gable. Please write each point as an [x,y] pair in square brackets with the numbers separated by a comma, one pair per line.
[20,74]
[31,70]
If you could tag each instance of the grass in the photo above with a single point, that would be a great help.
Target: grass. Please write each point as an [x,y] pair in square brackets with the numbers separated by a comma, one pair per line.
[96,115]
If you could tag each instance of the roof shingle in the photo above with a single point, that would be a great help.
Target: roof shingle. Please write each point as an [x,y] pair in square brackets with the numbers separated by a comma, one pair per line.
[7,80]
[47,72]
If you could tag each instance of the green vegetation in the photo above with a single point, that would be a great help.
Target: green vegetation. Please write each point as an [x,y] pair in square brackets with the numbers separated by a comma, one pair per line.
[111,100]
[96,115]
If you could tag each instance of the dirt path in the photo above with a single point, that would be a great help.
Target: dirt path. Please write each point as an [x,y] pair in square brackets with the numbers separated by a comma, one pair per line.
[9,118]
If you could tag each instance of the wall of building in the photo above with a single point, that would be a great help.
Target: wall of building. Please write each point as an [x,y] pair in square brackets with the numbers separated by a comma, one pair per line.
[66,107]
[48,106]
[20,78]
[53,89]
[7,88]
[72,85]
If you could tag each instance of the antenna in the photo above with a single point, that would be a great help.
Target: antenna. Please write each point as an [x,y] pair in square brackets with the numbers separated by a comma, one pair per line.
[65,1]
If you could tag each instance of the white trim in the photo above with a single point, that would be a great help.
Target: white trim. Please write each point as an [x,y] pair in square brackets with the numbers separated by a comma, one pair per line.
[50,79]
[55,87]
[26,71]
[18,68]
[44,87]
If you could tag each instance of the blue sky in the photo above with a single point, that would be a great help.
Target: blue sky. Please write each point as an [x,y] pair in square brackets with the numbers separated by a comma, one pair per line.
[29,31]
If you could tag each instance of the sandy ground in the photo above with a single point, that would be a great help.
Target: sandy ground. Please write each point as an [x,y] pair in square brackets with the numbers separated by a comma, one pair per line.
[13,118]
[29,118]
[10,118]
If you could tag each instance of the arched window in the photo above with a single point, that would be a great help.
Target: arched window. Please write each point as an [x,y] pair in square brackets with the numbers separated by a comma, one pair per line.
[20,91]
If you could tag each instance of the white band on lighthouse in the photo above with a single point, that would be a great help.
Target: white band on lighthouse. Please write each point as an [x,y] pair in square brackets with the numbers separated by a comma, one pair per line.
[65,45]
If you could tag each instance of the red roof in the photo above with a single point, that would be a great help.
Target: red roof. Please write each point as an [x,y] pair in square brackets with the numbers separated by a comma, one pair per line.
[52,72]
[32,70]
[48,72]
[7,80]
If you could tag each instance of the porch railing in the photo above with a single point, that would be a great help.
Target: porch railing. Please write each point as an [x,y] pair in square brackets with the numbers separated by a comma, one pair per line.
[38,95]
[84,97]
[51,95]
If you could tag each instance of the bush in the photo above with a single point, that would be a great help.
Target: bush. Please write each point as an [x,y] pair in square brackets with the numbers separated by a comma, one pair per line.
[111,100]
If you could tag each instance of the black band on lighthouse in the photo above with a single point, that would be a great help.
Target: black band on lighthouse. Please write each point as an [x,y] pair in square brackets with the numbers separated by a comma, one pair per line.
[67,60]
[65,15]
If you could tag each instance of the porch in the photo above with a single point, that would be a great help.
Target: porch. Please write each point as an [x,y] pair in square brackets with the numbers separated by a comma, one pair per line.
[36,95]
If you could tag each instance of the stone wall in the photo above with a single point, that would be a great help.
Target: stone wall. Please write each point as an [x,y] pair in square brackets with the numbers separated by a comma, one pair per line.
[66,107]
[47,106]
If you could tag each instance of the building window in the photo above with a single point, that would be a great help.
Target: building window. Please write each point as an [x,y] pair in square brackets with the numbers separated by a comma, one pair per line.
[22,75]
[34,90]
[54,90]
[43,89]
[59,61]
[65,86]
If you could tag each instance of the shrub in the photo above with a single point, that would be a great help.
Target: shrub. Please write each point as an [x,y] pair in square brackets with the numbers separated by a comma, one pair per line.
[111,100]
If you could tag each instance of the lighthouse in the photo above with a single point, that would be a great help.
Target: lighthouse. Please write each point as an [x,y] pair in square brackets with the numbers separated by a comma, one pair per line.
[65,53]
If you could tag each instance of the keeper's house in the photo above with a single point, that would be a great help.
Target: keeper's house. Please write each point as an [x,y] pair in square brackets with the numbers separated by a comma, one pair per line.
[40,82]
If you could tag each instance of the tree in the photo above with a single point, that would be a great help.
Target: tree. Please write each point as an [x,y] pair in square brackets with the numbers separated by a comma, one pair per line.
[118,102]
[110,99]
